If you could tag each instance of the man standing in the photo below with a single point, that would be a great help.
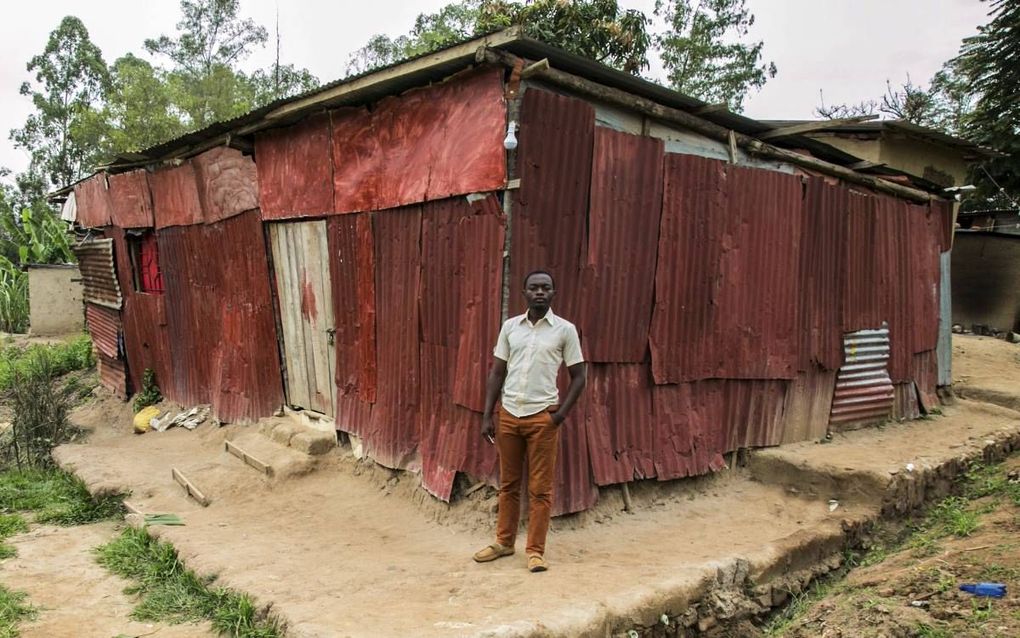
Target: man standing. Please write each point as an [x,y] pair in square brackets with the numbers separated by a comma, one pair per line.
[528,354]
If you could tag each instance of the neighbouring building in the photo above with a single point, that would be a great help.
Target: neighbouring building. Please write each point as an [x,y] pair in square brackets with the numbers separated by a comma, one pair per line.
[352,252]
[54,300]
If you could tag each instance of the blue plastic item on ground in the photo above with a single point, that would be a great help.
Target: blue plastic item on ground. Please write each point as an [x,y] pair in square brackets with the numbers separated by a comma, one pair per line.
[993,590]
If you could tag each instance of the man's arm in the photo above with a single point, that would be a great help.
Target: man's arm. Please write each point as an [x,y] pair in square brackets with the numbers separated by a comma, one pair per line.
[578,379]
[493,386]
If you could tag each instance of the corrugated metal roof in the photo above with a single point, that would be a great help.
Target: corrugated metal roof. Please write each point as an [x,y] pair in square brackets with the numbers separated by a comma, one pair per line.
[99,277]
[864,391]
[427,144]
[549,211]
[104,326]
[623,235]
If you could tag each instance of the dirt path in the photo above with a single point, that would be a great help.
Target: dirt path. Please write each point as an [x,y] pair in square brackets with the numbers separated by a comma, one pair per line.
[349,550]
[76,597]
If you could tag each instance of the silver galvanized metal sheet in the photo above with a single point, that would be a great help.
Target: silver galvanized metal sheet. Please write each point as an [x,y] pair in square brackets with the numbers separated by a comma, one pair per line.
[945,345]
[99,275]
[864,390]
[301,262]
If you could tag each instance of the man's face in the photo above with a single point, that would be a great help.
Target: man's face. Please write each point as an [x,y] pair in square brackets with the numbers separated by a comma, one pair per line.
[539,291]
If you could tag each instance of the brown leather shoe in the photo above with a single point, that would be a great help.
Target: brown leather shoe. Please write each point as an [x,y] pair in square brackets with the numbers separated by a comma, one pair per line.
[536,563]
[492,552]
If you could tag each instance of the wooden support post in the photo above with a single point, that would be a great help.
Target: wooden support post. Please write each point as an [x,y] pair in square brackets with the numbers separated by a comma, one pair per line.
[189,487]
[628,505]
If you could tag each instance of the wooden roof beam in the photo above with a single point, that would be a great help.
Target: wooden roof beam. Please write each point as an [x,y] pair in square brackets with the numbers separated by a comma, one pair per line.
[807,127]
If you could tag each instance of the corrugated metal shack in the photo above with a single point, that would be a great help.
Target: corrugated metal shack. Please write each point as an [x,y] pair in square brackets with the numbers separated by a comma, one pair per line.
[352,252]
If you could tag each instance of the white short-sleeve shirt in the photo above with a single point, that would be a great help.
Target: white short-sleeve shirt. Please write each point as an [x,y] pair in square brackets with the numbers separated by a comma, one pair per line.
[533,353]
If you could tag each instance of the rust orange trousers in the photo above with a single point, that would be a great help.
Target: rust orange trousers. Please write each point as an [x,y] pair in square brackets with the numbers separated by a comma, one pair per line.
[535,438]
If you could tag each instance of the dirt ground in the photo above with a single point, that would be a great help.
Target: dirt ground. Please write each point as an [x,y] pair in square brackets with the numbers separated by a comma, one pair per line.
[914,591]
[341,547]
[986,369]
[56,567]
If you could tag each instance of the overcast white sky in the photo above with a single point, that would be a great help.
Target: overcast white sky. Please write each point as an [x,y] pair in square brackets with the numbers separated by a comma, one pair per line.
[846,48]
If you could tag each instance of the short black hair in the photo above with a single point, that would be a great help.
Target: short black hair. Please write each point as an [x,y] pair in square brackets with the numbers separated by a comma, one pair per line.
[538,272]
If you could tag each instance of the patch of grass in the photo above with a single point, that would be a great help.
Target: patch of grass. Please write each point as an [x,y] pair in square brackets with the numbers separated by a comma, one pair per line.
[170,593]
[952,516]
[59,358]
[925,630]
[13,610]
[10,524]
[990,480]
[56,496]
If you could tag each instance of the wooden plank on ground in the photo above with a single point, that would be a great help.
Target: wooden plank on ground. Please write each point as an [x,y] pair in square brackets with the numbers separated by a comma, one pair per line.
[248,459]
[189,487]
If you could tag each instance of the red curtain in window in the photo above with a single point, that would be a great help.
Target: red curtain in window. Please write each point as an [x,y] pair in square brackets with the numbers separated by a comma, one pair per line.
[152,278]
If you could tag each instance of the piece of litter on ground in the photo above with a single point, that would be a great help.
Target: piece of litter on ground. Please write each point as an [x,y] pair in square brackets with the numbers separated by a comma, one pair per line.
[187,419]
[910,467]
[833,504]
[163,519]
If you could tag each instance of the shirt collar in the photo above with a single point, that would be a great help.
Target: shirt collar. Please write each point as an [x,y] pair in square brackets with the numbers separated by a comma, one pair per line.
[549,317]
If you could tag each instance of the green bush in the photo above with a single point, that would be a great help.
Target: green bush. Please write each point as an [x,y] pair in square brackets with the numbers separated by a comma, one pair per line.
[40,406]
[55,359]
[150,394]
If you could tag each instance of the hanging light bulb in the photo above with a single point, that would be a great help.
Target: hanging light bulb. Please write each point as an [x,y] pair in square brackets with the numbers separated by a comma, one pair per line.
[510,141]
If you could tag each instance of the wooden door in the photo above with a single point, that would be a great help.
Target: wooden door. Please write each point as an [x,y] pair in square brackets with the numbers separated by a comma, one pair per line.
[301,262]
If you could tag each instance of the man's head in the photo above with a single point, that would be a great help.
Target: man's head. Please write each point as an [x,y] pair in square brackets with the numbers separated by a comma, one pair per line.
[539,290]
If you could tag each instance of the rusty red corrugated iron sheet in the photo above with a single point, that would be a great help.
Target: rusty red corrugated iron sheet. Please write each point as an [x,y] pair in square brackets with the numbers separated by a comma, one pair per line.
[295,169]
[686,420]
[130,200]
[352,273]
[443,271]
[104,326]
[727,289]
[392,436]
[926,375]
[437,421]
[894,244]
[821,271]
[480,256]
[549,210]
[175,196]
[862,267]
[428,144]
[113,375]
[93,202]
[146,338]
[925,230]
[943,211]
[575,489]
[98,273]
[623,234]
[219,314]
[227,183]
[621,437]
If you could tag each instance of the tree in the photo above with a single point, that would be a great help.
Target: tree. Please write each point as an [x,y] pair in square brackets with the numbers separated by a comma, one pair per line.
[596,29]
[990,65]
[703,51]
[212,40]
[280,81]
[140,107]
[64,134]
